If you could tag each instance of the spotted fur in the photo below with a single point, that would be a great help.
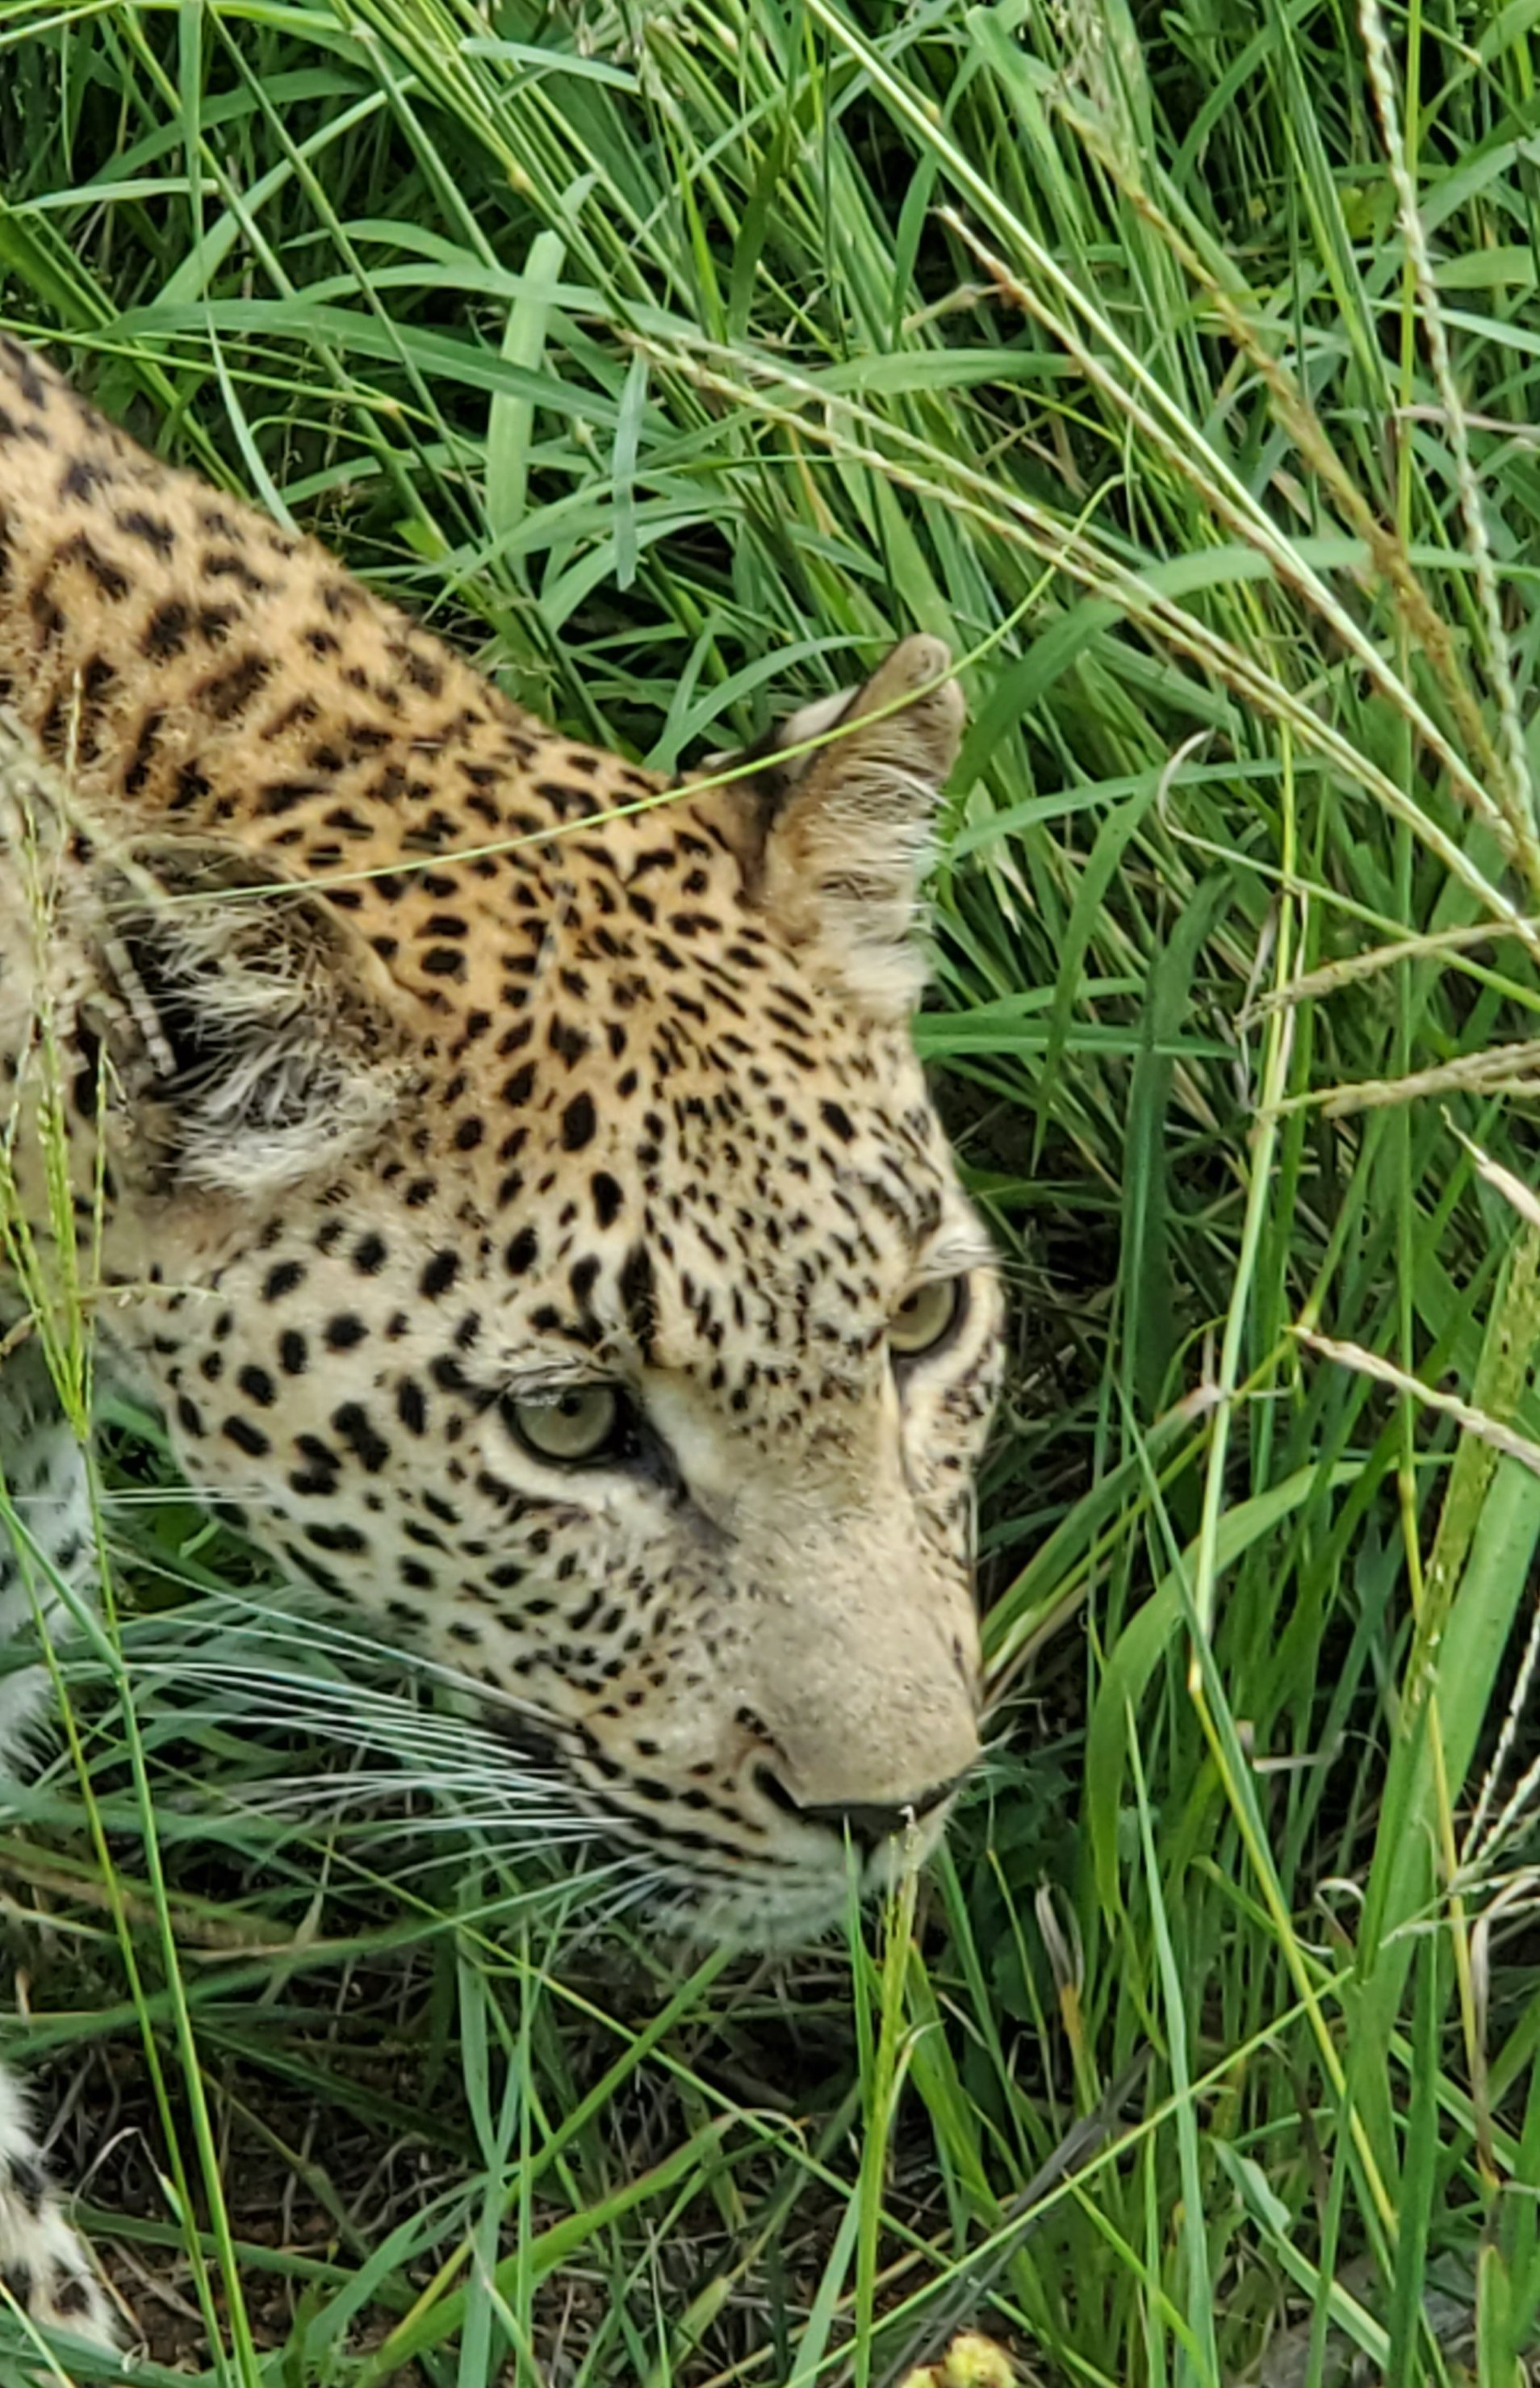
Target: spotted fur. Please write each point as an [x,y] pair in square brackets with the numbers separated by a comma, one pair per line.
[430,1085]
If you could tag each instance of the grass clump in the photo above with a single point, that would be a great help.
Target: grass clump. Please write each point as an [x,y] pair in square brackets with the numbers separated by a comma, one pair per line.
[1181,368]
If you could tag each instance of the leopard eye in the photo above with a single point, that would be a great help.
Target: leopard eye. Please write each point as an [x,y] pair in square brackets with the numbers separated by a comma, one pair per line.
[581,1424]
[925,1318]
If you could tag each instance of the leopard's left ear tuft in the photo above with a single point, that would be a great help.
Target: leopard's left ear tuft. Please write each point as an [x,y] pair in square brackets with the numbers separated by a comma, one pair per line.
[834,842]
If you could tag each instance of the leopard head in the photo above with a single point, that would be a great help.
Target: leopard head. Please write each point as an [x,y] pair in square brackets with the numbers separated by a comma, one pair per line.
[599,1311]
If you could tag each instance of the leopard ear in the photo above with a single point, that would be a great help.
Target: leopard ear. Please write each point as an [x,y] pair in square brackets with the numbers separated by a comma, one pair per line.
[833,841]
[254,1038]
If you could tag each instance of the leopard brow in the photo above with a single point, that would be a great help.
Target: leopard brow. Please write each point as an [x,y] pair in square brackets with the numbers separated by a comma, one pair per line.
[547,1380]
[952,1254]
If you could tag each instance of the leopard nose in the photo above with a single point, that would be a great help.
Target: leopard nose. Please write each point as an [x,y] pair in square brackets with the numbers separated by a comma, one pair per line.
[868,1822]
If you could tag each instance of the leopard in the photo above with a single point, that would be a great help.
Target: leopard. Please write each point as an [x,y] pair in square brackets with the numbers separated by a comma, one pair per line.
[508,1173]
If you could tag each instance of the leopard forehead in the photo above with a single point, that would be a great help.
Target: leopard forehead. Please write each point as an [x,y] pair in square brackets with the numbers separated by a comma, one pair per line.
[662,1137]
[448,1063]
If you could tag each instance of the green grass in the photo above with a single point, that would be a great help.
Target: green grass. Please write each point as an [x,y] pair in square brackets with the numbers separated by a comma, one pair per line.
[669,360]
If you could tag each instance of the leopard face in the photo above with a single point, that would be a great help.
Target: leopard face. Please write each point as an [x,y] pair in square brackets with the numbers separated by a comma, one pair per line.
[521,1193]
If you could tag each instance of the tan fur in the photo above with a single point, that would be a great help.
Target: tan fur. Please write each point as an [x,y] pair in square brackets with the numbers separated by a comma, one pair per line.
[430,1087]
